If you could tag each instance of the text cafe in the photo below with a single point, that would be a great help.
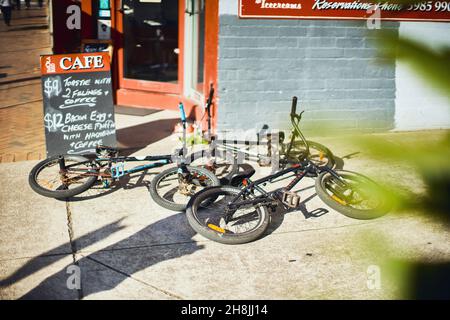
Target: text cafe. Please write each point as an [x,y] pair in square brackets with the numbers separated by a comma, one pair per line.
[260,53]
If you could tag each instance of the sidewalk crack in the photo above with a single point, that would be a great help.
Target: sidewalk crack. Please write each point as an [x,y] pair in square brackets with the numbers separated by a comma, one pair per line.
[168,293]
[73,245]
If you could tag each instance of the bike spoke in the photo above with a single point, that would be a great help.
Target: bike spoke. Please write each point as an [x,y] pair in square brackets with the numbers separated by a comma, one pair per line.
[355,194]
[51,179]
[171,189]
[213,215]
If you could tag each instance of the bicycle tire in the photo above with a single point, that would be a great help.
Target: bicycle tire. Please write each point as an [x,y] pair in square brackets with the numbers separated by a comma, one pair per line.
[170,205]
[371,188]
[320,151]
[210,195]
[63,193]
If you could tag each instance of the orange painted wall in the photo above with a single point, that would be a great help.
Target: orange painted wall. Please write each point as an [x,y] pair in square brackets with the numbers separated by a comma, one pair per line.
[155,95]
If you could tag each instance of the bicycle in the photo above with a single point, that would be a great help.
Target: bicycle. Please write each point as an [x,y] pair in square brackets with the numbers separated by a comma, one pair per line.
[222,156]
[236,215]
[65,176]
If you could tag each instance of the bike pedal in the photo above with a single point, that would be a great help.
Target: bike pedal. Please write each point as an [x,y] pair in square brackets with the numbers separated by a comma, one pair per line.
[290,199]
[118,170]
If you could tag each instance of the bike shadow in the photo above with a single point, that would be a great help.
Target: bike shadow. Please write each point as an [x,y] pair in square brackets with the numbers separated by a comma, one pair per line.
[106,268]
[277,217]
[138,137]
[339,162]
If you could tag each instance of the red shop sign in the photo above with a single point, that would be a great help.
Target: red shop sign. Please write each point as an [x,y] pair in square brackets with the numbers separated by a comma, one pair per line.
[344,9]
[75,63]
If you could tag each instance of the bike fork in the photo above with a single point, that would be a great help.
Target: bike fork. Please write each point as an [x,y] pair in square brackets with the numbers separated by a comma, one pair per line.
[339,181]
[62,170]
[62,163]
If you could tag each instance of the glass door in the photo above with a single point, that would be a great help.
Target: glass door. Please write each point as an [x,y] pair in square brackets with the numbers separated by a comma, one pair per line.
[150,45]
[194,48]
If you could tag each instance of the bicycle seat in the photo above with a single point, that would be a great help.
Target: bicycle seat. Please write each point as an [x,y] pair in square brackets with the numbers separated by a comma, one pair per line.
[237,178]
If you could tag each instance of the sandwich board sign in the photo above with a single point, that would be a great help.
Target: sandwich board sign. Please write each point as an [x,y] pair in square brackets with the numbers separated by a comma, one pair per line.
[78,102]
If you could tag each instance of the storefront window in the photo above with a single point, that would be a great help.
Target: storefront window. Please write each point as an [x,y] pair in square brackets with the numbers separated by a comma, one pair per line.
[151,40]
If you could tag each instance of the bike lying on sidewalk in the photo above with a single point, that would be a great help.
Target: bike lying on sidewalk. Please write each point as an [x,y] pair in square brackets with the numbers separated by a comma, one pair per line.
[233,215]
[65,176]
[222,156]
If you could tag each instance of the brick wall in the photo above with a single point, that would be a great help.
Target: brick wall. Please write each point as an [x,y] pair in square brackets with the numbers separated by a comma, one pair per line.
[330,65]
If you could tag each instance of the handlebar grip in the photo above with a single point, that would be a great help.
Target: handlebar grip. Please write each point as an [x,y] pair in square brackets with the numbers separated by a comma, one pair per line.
[183,114]
[211,94]
[294,105]
[210,98]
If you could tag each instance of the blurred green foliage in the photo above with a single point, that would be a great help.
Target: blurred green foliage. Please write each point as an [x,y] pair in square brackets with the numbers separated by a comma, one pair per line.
[430,64]
[420,279]
[431,160]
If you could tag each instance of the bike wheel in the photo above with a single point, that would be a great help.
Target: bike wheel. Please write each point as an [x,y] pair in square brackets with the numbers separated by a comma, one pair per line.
[357,197]
[206,210]
[222,165]
[166,190]
[45,177]
[318,153]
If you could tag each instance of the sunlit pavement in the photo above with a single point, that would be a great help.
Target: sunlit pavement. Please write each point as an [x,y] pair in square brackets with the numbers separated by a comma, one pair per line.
[127,247]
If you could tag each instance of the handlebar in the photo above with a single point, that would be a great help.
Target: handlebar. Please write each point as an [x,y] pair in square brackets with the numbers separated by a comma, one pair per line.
[295,120]
[210,97]
[294,105]
[183,114]
[294,110]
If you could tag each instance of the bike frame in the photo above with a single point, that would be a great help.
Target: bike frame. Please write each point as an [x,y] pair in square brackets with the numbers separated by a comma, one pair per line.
[230,145]
[270,198]
[296,132]
[116,164]
[159,161]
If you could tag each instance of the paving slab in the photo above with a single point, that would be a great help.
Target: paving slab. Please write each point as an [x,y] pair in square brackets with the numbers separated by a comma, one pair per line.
[41,277]
[30,225]
[297,265]
[104,281]
[328,263]
[127,247]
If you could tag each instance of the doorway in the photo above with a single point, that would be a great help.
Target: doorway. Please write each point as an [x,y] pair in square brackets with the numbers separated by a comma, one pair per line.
[151,38]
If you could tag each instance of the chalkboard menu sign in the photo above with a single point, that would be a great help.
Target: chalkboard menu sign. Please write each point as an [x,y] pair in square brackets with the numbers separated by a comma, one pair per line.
[78,104]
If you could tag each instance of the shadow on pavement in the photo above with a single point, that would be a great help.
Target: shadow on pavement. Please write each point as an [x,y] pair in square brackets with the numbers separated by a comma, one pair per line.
[140,136]
[105,269]
[339,161]
[277,217]
[49,257]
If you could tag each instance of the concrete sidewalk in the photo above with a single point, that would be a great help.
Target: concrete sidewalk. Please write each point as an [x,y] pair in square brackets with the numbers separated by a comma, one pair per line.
[127,247]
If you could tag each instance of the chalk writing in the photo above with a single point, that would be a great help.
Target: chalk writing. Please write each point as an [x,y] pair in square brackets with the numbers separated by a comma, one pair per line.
[78,108]
[52,86]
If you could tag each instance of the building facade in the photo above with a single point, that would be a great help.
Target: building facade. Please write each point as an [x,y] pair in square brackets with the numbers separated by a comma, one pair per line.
[166,51]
